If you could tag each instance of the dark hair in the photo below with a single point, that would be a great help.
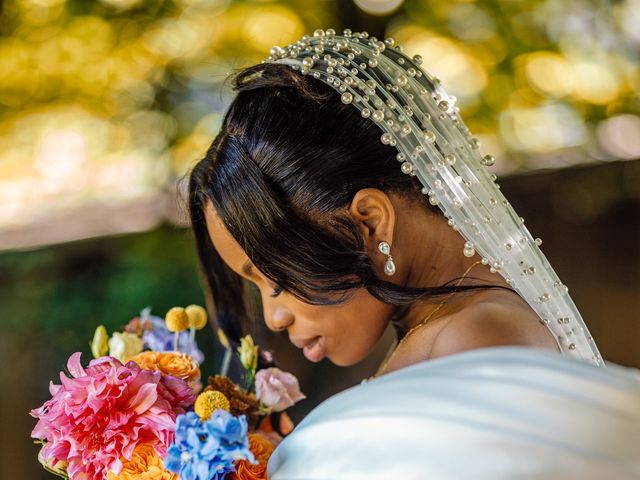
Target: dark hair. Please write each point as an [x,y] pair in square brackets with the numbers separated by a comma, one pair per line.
[288,160]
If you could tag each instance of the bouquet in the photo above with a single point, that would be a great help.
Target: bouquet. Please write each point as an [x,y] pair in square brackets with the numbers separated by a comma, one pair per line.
[138,410]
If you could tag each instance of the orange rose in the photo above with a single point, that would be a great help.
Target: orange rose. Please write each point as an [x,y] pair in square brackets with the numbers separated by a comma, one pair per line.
[262,448]
[248,471]
[171,363]
[145,464]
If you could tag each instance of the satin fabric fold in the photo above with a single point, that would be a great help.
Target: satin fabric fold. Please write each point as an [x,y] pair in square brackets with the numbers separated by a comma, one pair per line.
[492,413]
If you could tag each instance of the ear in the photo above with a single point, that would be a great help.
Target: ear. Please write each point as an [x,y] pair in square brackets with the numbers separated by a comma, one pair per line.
[375,216]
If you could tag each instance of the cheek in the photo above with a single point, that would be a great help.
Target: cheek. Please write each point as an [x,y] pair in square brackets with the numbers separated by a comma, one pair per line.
[358,328]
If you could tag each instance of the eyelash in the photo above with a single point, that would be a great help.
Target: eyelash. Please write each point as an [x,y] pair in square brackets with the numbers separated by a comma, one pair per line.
[277,290]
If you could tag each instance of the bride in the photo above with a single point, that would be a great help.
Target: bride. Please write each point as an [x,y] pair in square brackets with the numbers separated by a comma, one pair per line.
[344,186]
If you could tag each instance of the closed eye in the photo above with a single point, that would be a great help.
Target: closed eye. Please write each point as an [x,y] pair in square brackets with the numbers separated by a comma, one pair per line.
[247,269]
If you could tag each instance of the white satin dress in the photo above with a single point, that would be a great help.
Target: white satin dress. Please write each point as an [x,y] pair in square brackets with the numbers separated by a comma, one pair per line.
[493,413]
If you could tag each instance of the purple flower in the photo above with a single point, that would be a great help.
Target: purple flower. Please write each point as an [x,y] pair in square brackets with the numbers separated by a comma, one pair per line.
[158,338]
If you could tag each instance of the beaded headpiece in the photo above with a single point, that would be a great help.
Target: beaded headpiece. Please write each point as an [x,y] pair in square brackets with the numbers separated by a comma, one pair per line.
[421,120]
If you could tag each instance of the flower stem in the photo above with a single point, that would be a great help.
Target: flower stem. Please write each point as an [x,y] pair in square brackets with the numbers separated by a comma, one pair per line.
[226,361]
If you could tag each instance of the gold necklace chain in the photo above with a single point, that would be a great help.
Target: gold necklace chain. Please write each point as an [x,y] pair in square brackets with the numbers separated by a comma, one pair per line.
[423,322]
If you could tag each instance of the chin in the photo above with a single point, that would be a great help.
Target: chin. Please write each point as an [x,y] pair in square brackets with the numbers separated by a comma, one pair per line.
[346,360]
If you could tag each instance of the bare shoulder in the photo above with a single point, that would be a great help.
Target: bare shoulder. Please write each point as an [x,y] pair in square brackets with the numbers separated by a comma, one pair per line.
[487,324]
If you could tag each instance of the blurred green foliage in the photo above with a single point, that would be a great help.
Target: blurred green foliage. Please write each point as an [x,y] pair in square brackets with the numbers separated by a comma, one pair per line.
[51,301]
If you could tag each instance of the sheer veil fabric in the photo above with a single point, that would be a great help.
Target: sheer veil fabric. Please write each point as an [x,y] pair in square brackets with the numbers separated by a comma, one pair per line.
[493,413]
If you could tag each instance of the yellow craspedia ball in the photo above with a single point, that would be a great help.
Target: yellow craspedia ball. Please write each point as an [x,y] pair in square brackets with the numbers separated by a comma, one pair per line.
[197,316]
[177,319]
[210,401]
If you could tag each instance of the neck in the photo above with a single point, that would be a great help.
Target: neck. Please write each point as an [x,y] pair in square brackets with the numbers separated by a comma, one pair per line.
[435,258]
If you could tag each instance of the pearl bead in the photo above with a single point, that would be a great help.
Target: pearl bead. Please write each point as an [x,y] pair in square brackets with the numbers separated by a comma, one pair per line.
[417,59]
[275,51]
[401,157]
[406,167]
[429,136]
[346,97]
[389,267]
[366,113]
[318,33]
[488,160]
[469,252]
[386,138]
[378,115]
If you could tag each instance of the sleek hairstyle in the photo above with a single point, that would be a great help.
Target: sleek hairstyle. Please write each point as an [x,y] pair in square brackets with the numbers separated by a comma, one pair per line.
[281,173]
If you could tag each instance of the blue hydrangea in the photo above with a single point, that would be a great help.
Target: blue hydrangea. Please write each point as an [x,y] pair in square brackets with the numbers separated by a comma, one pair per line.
[206,450]
[159,339]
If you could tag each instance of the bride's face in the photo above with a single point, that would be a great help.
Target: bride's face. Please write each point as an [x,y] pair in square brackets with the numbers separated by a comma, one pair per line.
[344,333]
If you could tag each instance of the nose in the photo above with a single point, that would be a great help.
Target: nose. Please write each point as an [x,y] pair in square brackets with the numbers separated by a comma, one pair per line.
[279,320]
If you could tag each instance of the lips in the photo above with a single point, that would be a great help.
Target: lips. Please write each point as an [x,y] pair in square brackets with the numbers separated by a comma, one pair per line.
[312,348]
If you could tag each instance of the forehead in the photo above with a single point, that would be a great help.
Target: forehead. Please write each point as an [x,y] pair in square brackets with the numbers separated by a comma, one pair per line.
[226,246]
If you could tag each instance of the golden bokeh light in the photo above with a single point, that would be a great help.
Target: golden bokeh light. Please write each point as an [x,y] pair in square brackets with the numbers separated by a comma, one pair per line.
[595,83]
[447,59]
[119,98]
[550,74]
[378,7]
[541,129]
[270,25]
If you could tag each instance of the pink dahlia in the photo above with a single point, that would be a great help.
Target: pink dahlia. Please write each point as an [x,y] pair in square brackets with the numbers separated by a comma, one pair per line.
[100,414]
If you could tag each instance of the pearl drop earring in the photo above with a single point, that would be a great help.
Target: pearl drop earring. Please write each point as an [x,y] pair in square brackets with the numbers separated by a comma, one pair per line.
[389,266]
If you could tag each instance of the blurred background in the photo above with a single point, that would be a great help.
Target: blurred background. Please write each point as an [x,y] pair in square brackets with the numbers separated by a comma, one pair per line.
[105,105]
